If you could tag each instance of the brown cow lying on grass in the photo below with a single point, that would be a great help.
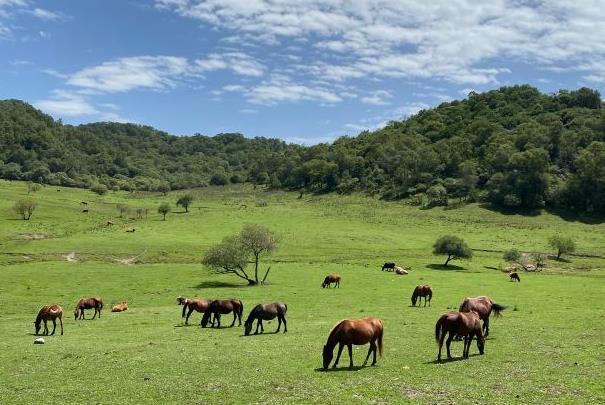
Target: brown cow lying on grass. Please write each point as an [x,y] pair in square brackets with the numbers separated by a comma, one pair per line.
[120,307]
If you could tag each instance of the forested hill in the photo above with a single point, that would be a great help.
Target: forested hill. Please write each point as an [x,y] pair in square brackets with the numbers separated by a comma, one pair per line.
[513,147]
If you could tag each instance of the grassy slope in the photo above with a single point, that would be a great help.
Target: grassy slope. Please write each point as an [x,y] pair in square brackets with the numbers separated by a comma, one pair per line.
[545,348]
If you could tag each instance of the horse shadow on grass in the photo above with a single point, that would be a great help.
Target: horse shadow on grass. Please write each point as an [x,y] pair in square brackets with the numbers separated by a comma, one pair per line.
[452,360]
[338,369]
[449,267]
[217,284]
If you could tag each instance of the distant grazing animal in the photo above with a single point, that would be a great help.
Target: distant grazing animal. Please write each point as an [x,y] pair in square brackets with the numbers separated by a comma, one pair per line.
[109,223]
[190,305]
[422,291]
[84,211]
[120,307]
[514,276]
[83,203]
[466,324]
[130,230]
[221,307]
[46,313]
[483,306]
[388,266]
[354,332]
[88,303]
[400,270]
[266,312]
[332,278]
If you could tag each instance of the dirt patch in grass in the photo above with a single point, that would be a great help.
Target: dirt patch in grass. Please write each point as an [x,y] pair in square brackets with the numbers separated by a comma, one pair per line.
[127,261]
[33,236]
[72,257]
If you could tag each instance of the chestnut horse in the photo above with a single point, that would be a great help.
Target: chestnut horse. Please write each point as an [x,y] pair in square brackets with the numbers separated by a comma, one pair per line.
[465,324]
[46,313]
[332,278]
[190,305]
[88,303]
[514,276]
[221,307]
[483,306]
[354,332]
[266,312]
[422,291]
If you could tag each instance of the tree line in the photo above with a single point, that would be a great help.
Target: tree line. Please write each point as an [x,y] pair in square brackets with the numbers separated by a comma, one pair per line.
[514,147]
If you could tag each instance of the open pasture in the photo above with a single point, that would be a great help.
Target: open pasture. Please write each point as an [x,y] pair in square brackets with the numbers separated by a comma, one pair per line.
[548,346]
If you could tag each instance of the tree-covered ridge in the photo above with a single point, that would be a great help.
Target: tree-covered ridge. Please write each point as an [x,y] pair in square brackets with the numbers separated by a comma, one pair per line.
[513,147]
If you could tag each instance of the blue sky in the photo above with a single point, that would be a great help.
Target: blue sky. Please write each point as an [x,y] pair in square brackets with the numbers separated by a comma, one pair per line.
[305,71]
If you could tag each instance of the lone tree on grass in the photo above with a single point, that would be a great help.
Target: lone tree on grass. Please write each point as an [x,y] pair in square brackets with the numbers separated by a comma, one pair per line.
[100,189]
[452,246]
[33,187]
[233,254]
[25,208]
[185,201]
[513,256]
[164,209]
[563,245]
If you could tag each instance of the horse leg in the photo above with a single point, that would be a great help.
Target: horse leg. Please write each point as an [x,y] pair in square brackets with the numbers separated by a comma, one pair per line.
[278,323]
[425,300]
[283,319]
[61,322]
[340,347]
[189,314]
[350,347]
[257,326]
[486,327]
[45,328]
[54,325]
[95,314]
[447,344]
[371,349]
[262,328]
[234,318]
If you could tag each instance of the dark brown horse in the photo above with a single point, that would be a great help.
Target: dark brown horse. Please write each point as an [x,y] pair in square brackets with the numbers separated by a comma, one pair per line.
[88,303]
[266,312]
[332,278]
[465,324]
[514,276]
[46,313]
[388,266]
[483,306]
[221,307]
[190,305]
[422,291]
[354,332]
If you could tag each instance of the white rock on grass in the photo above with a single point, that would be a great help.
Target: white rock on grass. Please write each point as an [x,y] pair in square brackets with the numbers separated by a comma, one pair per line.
[39,341]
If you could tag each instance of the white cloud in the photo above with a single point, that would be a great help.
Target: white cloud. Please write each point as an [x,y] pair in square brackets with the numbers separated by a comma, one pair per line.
[238,62]
[66,104]
[378,97]
[11,9]
[460,41]
[45,14]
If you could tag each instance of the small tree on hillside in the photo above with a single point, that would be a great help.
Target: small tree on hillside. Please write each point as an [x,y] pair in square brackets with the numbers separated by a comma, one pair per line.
[164,209]
[563,245]
[228,257]
[452,246]
[100,189]
[513,256]
[33,187]
[258,240]
[25,208]
[164,188]
[185,201]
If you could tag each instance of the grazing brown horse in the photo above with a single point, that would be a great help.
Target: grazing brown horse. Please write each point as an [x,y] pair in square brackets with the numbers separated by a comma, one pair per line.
[465,324]
[332,278]
[354,332]
[514,276]
[120,307]
[221,307]
[88,303]
[422,291]
[46,313]
[192,304]
[266,312]
[483,306]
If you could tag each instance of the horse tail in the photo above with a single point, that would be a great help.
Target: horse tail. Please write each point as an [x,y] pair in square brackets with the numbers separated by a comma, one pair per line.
[100,304]
[380,333]
[439,328]
[497,308]
[185,305]
[286,308]
[241,309]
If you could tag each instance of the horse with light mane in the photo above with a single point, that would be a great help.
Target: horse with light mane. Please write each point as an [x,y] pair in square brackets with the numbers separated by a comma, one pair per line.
[192,304]
[465,324]
[46,313]
[483,306]
[354,332]
[422,291]
[88,303]
[266,312]
[331,278]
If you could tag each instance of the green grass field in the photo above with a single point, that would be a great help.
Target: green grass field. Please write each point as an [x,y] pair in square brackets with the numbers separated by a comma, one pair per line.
[548,346]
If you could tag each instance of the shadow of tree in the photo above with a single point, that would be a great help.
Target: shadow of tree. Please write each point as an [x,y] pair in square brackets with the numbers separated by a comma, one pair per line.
[218,284]
[450,267]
